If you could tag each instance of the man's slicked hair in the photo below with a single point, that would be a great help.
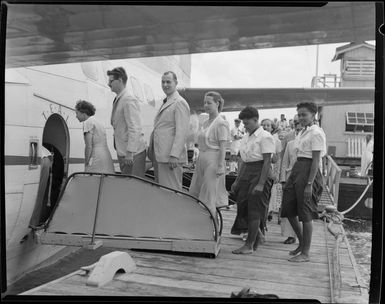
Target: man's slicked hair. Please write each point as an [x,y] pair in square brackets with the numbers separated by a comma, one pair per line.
[118,73]
[173,75]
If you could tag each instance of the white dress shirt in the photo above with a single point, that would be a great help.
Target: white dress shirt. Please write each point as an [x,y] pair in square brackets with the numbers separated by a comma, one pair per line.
[311,139]
[255,145]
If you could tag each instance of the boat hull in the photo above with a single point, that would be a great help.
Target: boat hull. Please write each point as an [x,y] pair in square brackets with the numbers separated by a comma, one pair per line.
[350,190]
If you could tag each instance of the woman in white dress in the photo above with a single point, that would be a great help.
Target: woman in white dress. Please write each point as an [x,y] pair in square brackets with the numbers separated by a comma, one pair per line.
[97,155]
[208,181]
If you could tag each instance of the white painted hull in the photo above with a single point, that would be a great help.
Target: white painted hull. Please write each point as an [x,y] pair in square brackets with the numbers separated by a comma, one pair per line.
[32,96]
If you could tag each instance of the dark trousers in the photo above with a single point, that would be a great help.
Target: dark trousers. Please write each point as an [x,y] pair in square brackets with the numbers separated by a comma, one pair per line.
[251,206]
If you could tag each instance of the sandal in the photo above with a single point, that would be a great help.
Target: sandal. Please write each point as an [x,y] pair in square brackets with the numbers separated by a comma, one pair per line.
[299,259]
[243,250]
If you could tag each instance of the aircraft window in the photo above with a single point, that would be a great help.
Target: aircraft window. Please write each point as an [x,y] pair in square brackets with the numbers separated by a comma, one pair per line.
[33,163]
[137,88]
[149,95]
[90,70]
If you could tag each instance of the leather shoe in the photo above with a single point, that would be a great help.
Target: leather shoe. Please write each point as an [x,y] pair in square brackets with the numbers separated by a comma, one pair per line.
[289,240]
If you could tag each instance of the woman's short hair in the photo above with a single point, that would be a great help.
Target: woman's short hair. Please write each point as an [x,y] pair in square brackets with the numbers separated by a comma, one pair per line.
[118,72]
[311,106]
[217,98]
[249,112]
[85,107]
[271,121]
[273,125]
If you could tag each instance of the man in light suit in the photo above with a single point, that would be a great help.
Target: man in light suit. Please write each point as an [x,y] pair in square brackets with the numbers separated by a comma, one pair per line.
[129,142]
[168,140]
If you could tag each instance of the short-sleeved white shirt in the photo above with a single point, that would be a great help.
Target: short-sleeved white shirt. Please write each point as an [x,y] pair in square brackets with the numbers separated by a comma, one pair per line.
[255,145]
[312,139]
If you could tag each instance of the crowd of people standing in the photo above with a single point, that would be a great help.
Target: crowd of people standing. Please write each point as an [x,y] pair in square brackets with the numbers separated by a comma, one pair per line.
[275,160]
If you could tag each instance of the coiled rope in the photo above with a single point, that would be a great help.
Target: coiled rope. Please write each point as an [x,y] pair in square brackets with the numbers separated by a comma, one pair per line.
[335,271]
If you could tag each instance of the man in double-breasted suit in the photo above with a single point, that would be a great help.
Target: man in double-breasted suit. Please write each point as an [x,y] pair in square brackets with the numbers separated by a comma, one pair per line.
[168,140]
[129,142]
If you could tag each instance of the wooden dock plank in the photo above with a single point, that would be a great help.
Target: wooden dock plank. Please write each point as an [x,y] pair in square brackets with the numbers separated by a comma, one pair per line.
[265,271]
[287,289]
[244,270]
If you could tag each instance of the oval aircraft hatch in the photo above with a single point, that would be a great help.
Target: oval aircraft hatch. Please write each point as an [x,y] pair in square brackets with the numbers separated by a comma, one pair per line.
[53,169]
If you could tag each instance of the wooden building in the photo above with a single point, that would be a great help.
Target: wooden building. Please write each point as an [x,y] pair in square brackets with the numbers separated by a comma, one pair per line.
[347,125]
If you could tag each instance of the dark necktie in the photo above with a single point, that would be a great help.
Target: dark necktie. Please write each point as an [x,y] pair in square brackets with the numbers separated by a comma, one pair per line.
[164,102]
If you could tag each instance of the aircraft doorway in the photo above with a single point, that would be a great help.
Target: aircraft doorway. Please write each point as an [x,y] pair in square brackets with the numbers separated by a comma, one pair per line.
[53,169]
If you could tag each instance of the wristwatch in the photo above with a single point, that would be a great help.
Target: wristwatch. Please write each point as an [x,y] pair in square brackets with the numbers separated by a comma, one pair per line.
[310,183]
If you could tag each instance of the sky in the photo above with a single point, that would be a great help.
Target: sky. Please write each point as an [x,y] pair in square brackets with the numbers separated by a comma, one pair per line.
[285,67]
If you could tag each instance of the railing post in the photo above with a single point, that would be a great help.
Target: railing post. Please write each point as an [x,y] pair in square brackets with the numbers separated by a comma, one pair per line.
[348,146]
[329,171]
[337,187]
[333,179]
[92,244]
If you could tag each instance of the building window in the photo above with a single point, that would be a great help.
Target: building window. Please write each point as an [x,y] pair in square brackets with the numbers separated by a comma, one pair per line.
[359,67]
[359,121]
[137,88]
[149,95]
[90,70]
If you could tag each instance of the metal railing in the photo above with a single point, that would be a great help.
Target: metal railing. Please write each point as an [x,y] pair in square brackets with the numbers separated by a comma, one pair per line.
[332,179]
[355,143]
[326,81]
[216,225]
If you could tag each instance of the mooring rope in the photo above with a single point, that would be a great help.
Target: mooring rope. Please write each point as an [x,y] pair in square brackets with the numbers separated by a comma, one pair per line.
[329,265]
[370,182]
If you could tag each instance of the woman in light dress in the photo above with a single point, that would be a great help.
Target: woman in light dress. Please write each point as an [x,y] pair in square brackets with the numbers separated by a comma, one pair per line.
[208,181]
[97,155]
